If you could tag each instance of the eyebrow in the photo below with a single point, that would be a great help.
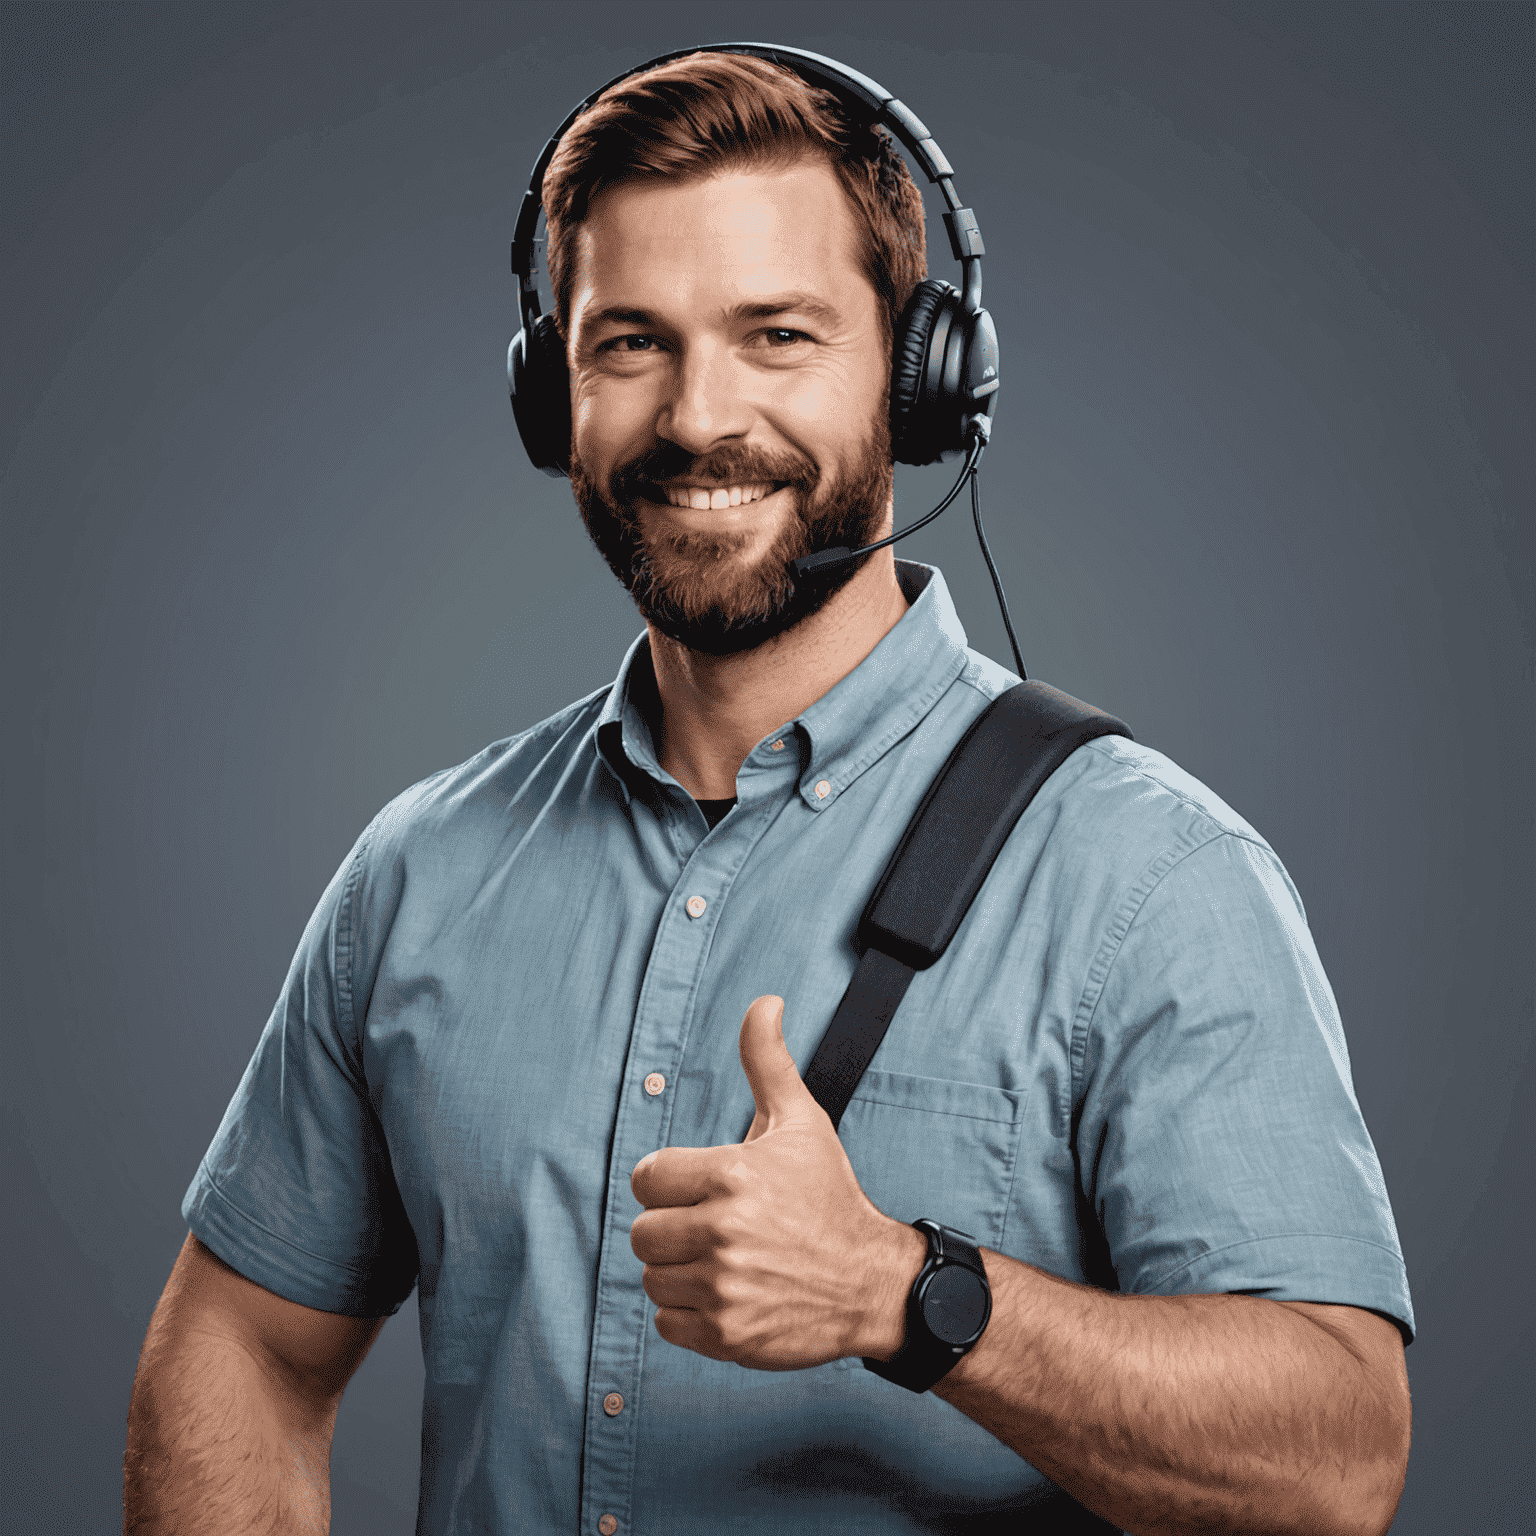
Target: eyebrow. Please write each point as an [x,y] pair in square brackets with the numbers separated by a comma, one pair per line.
[759,309]
[619,315]
[785,303]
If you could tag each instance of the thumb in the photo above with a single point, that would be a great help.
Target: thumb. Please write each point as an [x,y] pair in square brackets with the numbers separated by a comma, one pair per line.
[771,1072]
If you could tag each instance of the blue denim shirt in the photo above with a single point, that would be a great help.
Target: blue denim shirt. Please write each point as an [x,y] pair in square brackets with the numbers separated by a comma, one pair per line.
[1127,1069]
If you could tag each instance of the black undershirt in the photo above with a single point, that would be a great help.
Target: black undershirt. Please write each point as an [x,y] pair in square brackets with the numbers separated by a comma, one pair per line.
[714,810]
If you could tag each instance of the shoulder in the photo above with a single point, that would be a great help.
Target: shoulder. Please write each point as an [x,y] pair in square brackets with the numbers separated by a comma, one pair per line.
[455,805]
[1135,785]
[1138,792]
[1121,815]
[1123,804]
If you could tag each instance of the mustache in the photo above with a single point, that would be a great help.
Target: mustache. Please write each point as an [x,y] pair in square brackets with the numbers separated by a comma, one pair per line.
[729,464]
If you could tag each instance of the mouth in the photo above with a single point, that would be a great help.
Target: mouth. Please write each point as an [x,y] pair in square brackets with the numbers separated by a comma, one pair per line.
[711,498]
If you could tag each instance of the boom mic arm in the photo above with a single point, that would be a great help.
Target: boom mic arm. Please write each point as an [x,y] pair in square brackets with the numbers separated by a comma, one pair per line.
[827,559]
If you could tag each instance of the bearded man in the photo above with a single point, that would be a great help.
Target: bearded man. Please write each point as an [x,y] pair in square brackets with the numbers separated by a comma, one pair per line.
[506,1069]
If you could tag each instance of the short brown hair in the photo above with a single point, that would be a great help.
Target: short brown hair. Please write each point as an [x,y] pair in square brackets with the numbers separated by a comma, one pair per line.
[709,112]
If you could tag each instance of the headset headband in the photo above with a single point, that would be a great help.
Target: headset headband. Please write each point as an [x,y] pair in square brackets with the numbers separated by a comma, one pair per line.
[857,92]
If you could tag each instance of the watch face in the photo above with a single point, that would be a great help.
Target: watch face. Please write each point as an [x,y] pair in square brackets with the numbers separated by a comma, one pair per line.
[955,1304]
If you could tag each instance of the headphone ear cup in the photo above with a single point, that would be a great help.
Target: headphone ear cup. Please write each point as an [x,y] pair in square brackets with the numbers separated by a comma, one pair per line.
[540,386]
[920,427]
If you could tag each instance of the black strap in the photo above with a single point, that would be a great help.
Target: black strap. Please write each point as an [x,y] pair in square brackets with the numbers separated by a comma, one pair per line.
[857,1028]
[945,854]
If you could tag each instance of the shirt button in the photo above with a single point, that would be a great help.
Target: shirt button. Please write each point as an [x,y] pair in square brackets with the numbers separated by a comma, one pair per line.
[613,1405]
[823,789]
[607,1525]
[695,906]
[655,1083]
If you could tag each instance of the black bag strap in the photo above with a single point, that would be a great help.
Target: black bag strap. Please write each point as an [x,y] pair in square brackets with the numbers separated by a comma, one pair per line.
[1020,739]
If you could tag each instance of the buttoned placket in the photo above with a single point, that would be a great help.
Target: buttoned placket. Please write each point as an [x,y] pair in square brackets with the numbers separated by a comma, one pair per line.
[621,1325]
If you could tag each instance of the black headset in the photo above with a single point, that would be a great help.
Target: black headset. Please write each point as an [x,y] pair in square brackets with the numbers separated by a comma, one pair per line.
[944,361]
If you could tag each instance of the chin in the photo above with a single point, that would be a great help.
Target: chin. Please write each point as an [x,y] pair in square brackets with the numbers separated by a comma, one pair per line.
[719,583]
[710,593]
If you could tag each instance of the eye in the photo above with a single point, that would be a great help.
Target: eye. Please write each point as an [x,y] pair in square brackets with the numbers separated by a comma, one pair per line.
[635,342]
[782,336]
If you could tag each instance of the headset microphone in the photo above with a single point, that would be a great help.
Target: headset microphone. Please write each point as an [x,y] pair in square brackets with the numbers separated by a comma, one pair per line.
[807,567]
[944,358]
[830,559]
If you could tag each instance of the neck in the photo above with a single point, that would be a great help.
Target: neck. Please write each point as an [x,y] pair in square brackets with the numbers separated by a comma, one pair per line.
[715,709]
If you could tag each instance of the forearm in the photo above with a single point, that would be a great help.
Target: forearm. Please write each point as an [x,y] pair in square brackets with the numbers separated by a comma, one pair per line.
[221,1440]
[1183,1414]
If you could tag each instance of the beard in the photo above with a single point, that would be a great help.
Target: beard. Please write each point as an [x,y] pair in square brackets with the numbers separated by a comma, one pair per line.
[692,586]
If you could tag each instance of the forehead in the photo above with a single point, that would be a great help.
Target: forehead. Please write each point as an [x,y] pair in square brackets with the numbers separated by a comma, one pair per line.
[722,239]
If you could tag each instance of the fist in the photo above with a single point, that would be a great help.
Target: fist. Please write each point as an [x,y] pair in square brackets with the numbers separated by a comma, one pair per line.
[769,1253]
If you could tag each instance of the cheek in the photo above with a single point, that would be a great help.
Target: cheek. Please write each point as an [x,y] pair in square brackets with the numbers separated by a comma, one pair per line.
[836,403]
[608,417]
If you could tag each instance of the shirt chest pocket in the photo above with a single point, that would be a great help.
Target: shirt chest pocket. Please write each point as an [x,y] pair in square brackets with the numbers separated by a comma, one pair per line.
[928,1146]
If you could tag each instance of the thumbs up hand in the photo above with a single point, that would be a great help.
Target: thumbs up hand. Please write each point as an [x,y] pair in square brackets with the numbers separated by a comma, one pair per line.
[769,1253]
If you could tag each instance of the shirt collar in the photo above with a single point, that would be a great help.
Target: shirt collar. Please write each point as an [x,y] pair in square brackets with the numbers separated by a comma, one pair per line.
[624,739]
[847,729]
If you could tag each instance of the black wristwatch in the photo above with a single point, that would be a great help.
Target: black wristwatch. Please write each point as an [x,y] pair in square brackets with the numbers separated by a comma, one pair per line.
[947,1310]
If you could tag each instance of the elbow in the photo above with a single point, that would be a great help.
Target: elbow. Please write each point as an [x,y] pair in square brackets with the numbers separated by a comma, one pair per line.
[1394,1476]
[1378,1484]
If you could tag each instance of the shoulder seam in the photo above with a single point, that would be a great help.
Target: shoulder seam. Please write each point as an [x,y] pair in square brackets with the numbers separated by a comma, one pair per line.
[398,806]
[1109,951]
[344,934]
[1102,745]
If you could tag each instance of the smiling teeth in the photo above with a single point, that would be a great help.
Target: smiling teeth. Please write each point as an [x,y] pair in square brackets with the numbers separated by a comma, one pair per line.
[700,499]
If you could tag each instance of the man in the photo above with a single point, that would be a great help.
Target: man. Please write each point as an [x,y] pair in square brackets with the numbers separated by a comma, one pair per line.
[505,1067]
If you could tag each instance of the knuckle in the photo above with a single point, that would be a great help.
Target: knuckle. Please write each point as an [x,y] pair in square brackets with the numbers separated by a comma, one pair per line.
[738,1221]
[735,1334]
[733,1289]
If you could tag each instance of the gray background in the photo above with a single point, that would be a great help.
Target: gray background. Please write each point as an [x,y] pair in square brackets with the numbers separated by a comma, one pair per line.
[1262,486]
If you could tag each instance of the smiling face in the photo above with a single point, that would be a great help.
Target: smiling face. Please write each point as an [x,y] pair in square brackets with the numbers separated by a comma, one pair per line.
[729,371]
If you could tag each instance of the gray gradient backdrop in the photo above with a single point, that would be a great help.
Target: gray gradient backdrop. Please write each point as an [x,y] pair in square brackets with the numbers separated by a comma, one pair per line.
[1262,485]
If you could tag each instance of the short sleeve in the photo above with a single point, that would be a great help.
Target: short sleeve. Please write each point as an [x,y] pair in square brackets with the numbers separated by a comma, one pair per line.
[1219,1139]
[296,1191]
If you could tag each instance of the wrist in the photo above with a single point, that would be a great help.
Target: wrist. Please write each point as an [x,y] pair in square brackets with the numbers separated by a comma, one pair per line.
[899,1255]
[947,1311]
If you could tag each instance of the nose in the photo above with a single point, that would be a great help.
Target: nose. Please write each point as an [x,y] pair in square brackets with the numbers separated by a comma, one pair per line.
[706,404]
